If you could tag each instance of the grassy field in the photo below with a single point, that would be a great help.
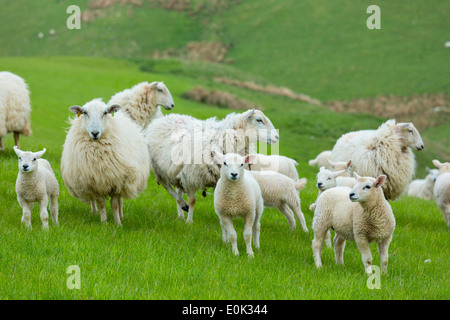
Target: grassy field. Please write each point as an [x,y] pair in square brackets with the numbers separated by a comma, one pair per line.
[157,256]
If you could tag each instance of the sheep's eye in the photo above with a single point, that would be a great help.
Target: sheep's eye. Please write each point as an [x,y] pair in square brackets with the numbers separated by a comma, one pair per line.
[160,90]
[224,163]
[259,120]
[242,164]
[328,178]
[366,188]
[34,159]
[410,131]
[20,158]
[105,113]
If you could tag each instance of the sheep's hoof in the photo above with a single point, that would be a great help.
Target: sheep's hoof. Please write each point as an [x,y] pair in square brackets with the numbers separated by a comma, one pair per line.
[185,208]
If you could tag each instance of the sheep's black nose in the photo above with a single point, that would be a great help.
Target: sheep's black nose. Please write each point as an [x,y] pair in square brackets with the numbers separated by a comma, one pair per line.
[319,184]
[234,175]
[94,134]
[352,195]
[25,166]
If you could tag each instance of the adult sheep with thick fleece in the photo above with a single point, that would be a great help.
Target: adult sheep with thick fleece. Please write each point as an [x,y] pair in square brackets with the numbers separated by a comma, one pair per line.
[237,194]
[142,103]
[104,156]
[15,108]
[361,214]
[442,189]
[386,150]
[423,188]
[180,149]
[277,163]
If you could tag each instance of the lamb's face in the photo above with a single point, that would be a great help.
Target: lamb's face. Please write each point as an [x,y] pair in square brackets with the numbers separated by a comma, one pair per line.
[232,165]
[163,97]
[95,116]
[326,179]
[365,187]
[259,127]
[410,136]
[28,160]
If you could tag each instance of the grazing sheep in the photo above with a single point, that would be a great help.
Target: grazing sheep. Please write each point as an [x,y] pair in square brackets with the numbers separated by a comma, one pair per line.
[442,189]
[423,188]
[281,192]
[237,194]
[143,102]
[36,182]
[180,149]
[386,150]
[277,163]
[15,107]
[321,160]
[361,214]
[104,156]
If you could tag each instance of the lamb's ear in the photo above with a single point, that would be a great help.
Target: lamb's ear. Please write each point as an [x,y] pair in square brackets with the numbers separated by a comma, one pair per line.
[349,163]
[77,110]
[437,163]
[17,151]
[356,175]
[249,158]
[40,153]
[113,108]
[153,85]
[331,163]
[250,115]
[338,173]
[322,168]
[379,181]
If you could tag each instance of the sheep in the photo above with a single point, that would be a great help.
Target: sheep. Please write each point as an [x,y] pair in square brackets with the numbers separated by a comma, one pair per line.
[281,164]
[361,214]
[442,189]
[281,192]
[15,107]
[180,149]
[237,194]
[321,160]
[386,150]
[36,182]
[104,156]
[326,179]
[143,102]
[423,188]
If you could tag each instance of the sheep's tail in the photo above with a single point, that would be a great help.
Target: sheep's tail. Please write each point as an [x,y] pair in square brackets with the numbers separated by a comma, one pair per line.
[26,131]
[300,184]
[313,162]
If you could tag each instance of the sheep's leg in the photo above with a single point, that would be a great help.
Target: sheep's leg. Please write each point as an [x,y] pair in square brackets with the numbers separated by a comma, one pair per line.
[299,214]
[363,247]
[328,238]
[339,245]
[227,222]
[257,225]
[102,208]
[16,139]
[94,207]
[180,211]
[54,208]
[248,225]
[44,213]
[317,244]
[191,202]
[2,147]
[225,235]
[284,209]
[383,246]
[27,207]
[121,208]
[115,204]
[176,195]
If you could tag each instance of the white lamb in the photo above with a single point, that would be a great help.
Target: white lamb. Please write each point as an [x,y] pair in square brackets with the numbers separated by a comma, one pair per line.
[180,149]
[423,188]
[281,192]
[321,160]
[143,102]
[442,189]
[104,156]
[237,194]
[15,107]
[36,182]
[361,214]
[386,150]
[277,163]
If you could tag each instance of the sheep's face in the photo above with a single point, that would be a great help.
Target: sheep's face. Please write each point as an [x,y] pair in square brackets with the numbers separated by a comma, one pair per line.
[232,165]
[365,187]
[95,116]
[259,127]
[410,136]
[162,95]
[432,175]
[28,160]
[326,179]
[443,167]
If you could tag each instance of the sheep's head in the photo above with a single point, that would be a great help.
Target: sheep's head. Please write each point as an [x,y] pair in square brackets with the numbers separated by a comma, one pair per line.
[443,167]
[326,179]
[95,115]
[340,165]
[365,187]
[161,94]
[28,160]
[259,127]
[432,174]
[232,164]
[409,135]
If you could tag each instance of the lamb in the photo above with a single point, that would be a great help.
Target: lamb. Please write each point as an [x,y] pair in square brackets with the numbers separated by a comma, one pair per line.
[442,189]
[143,102]
[104,156]
[423,188]
[237,194]
[361,214]
[386,150]
[180,149]
[15,107]
[321,160]
[281,192]
[281,164]
[36,182]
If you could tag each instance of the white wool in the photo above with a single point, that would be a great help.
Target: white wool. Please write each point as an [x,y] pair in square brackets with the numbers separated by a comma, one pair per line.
[277,163]
[423,188]
[442,189]
[321,160]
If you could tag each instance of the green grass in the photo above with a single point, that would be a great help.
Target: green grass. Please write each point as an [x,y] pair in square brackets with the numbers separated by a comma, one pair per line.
[157,256]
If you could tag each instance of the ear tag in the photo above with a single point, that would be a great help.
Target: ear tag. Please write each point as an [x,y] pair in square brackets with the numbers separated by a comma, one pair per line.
[79,113]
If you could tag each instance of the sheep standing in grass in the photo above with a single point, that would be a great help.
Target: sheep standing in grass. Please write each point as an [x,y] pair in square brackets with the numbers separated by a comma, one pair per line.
[36,182]
[180,149]
[15,107]
[281,192]
[386,150]
[237,194]
[143,102]
[277,163]
[423,188]
[104,156]
[361,214]
[442,189]
[321,160]
[326,179]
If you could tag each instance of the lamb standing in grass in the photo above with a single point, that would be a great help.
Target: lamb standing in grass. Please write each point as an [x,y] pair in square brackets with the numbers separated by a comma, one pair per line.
[321,160]
[237,194]
[442,189]
[386,150]
[142,103]
[423,188]
[104,156]
[361,214]
[15,107]
[281,192]
[36,182]
[277,163]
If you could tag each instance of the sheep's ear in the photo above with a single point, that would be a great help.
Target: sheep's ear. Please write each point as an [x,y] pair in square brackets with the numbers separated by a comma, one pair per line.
[331,163]
[437,163]
[153,85]
[17,151]
[322,168]
[77,110]
[379,181]
[113,108]
[249,159]
[250,115]
[217,157]
[349,163]
[356,175]
[337,173]
[40,153]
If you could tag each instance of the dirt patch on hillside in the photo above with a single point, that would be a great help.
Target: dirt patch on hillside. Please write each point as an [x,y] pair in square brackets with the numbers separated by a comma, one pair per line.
[197,51]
